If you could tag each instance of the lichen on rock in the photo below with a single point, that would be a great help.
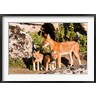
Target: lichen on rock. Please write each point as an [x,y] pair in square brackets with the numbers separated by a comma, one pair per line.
[20,43]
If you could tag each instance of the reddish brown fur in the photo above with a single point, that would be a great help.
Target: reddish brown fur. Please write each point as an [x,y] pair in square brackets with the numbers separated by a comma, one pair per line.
[47,60]
[63,48]
[37,59]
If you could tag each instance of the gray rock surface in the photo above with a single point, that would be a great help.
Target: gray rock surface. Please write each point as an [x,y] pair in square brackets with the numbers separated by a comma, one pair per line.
[20,43]
[82,69]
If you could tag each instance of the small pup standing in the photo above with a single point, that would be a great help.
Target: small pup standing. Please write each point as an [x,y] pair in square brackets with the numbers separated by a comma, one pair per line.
[50,61]
[36,59]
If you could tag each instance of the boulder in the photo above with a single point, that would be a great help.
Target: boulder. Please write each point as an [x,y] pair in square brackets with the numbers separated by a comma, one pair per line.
[28,27]
[85,26]
[20,43]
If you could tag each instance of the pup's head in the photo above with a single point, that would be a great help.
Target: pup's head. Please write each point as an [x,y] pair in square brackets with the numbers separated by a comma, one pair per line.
[35,54]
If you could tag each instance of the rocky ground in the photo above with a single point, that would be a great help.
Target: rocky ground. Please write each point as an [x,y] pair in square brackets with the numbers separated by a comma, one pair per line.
[65,69]
[82,69]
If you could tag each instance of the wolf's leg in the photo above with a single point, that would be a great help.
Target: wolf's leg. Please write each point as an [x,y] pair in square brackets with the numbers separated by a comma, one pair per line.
[34,67]
[76,52]
[50,66]
[78,57]
[59,60]
[71,60]
[55,65]
[46,66]
[41,65]
[38,66]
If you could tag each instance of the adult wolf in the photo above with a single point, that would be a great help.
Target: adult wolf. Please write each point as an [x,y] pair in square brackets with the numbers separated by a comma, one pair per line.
[63,48]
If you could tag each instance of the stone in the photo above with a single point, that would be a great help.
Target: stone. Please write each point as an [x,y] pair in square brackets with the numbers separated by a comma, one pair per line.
[20,43]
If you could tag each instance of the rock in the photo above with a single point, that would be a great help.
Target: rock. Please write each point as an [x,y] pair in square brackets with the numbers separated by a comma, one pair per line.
[56,25]
[28,27]
[82,69]
[85,26]
[20,43]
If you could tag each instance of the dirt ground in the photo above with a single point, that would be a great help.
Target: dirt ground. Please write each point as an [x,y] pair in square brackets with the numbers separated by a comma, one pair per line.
[65,62]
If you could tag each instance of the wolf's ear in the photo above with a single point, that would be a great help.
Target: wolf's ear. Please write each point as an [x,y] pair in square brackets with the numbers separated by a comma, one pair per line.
[45,35]
[48,36]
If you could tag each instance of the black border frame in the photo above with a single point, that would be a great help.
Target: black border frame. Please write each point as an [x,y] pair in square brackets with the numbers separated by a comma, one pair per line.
[1,54]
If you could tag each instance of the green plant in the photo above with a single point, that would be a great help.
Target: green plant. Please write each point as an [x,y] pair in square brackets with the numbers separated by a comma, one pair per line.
[16,62]
[60,33]
[38,40]
[83,43]
[70,32]
[46,49]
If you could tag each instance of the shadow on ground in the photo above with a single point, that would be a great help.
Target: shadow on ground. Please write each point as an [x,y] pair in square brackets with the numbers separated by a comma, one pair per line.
[65,61]
[28,62]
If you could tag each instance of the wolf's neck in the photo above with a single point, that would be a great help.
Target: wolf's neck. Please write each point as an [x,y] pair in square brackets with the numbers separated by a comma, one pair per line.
[53,44]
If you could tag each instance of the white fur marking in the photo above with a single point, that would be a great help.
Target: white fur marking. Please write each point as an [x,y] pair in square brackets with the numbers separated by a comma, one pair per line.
[46,44]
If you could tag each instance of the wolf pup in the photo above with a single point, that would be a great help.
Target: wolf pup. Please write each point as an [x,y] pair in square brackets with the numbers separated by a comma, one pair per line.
[36,59]
[50,61]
